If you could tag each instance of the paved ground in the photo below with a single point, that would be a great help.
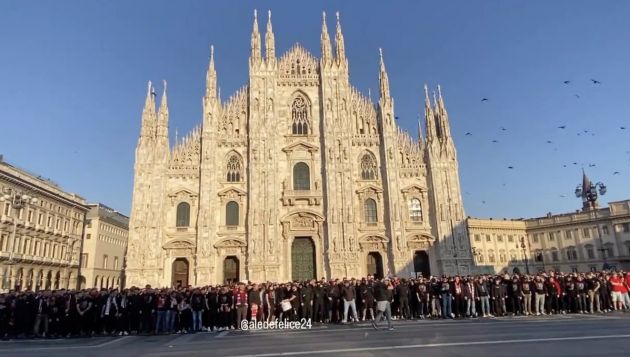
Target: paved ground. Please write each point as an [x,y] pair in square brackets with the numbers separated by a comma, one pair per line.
[570,335]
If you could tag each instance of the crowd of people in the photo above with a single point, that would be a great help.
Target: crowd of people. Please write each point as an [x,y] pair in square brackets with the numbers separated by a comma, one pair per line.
[90,312]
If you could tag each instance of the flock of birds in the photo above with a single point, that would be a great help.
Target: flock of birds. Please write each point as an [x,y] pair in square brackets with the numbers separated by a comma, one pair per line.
[561,127]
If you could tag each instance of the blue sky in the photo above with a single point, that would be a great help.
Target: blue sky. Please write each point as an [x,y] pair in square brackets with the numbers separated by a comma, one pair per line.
[73,78]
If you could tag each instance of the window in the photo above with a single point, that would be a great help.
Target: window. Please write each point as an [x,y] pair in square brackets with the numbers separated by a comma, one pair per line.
[368,167]
[511,239]
[299,115]
[625,227]
[30,215]
[231,214]
[480,258]
[58,224]
[234,166]
[7,208]
[610,252]
[552,236]
[415,210]
[513,256]
[500,238]
[590,252]
[568,234]
[115,263]
[535,238]
[40,218]
[369,206]
[84,260]
[183,214]
[587,232]
[88,236]
[301,177]
[491,257]
[477,238]
[605,230]
[571,254]
[539,257]
[488,238]
[49,223]
[105,258]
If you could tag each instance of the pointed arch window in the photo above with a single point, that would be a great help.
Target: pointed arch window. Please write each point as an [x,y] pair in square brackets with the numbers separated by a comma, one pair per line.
[369,207]
[301,177]
[231,214]
[234,168]
[368,167]
[300,116]
[415,210]
[183,215]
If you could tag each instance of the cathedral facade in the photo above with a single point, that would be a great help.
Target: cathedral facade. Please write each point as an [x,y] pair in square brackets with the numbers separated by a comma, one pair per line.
[296,176]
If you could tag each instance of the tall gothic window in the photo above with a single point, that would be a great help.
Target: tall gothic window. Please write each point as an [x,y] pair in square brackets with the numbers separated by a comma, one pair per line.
[231,214]
[368,167]
[234,166]
[415,210]
[299,116]
[183,215]
[369,206]
[301,177]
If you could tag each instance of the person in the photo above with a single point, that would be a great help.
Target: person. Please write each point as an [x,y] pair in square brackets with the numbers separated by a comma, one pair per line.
[483,296]
[197,303]
[348,294]
[616,283]
[592,285]
[447,297]
[541,291]
[306,294]
[41,320]
[383,293]
[470,296]
[185,315]
[525,285]
[422,296]
[240,304]
[497,295]
[402,291]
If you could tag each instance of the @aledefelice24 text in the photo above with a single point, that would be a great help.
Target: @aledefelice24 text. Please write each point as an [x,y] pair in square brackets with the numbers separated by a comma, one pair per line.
[302,324]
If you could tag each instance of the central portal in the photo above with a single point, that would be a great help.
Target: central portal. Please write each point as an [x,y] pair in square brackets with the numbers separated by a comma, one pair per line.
[375,265]
[231,270]
[303,259]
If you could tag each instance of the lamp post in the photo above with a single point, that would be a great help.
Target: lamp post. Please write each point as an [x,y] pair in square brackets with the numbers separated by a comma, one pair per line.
[18,201]
[522,245]
[587,191]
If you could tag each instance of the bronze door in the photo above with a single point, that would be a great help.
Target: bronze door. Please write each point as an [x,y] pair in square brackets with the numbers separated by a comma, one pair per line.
[230,269]
[180,272]
[421,263]
[375,265]
[303,259]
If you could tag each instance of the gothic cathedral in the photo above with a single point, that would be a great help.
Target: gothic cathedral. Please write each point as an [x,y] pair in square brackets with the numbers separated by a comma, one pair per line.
[296,176]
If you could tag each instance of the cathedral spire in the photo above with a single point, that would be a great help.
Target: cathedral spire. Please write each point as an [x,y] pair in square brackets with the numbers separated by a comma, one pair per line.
[445,127]
[429,117]
[340,53]
[162,127]
[325,42]
[255,55]
[211,77]
[270,42]
[382,78]
[148,114]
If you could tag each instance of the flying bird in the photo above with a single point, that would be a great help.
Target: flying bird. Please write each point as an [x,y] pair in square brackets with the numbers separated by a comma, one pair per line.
[510,167]
[595,81]
[484,99]
[468,134]
[564,165]
[549,142]
[577,96]
[575,163]
[566,82]
[495,141]
[503,129]
[562,127]
[616,173]
[622,127]
[484,202]
[563,196]
[591,165]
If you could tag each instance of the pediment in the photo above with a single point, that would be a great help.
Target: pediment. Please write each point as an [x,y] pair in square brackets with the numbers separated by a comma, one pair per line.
[230,242]
[421,238]
[182,191]
[301,215]
[373,238]
[370,188]
[300,146]
[232,192]
[179,244]
[414,189]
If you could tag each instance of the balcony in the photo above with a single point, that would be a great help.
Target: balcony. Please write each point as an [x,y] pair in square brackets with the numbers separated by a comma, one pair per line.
[312,197]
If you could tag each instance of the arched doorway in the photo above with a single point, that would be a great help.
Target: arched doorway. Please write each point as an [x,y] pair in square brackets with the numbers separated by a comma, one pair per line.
[180,272]
[303,259]
[375,265]
[421,263]
[231,269]
[57,280]
[48,281]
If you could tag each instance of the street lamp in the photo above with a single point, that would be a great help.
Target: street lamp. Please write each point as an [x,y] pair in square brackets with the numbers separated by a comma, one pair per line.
[18,201]
[522,246]
[587,191]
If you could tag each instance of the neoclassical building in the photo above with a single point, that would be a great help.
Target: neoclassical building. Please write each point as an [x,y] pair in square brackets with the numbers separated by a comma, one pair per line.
[104,247]
[593,238]
[40,232]
[296,176]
